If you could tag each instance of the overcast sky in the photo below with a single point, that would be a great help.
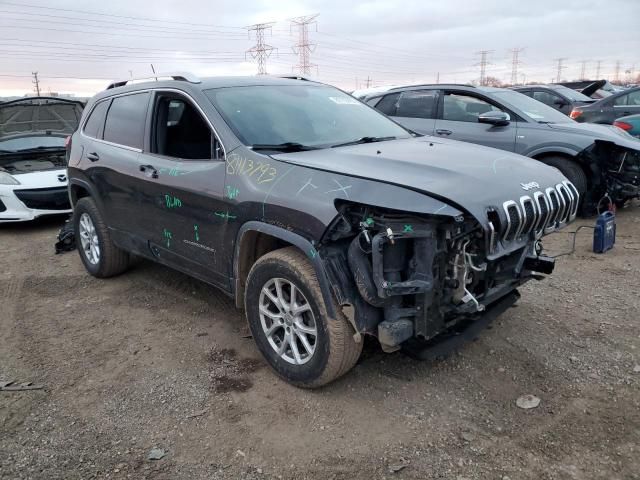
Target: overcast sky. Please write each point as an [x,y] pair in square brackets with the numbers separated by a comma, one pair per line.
[78,46]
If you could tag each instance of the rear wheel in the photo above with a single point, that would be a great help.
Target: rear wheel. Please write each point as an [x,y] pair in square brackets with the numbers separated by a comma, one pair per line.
[290,325]
[98,253]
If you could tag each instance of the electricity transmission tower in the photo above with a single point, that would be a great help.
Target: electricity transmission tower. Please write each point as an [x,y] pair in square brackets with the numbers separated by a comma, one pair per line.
[583,69]
[616,77]
[36,82]
[303,48]
[598,66]
[260,51]
[483,65]
[561,66]
[515,63]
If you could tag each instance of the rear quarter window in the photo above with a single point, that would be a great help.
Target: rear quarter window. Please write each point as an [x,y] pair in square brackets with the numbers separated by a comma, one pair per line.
[95,122]
[126,118]
[388,104]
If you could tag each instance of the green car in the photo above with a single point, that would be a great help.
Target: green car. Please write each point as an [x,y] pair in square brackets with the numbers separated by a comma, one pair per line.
[630,124]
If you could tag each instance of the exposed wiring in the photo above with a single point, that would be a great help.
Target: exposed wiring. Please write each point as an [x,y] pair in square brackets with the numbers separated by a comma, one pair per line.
[609,203]
[573,243]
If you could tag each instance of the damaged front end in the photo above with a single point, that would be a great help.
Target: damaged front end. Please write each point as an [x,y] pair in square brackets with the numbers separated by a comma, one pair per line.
[615,172]
[407,278]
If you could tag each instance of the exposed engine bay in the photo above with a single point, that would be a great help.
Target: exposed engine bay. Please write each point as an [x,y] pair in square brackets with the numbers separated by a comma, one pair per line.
[33,162]
[409,276]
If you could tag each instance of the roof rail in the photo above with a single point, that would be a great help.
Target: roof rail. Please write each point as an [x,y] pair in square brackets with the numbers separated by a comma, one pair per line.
[181,76]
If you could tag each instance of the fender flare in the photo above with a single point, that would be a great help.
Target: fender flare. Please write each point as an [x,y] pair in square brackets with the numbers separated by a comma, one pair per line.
[553,149]
[89,188]
[297,241]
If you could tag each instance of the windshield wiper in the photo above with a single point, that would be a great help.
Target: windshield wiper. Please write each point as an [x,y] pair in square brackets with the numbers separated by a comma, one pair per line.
[283,147]
[364,140]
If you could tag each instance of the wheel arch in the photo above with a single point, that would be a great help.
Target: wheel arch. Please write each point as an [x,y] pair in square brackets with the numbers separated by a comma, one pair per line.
[79,188]
[567,155]
[254,239]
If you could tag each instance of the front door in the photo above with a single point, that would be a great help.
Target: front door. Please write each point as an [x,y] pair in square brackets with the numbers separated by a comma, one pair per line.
[459,121]
[183,173]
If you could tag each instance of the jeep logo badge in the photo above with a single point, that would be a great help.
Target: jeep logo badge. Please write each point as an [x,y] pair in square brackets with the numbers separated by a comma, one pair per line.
[62,177]
[529,186]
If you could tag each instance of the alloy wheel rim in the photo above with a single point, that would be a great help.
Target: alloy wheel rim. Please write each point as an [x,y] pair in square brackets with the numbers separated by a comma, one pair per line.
[288,321]
[89,239]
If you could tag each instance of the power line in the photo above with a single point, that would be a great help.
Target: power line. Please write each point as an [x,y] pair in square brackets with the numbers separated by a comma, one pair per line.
[102,22]
[515,63]
[36,82]
[483,65]
[100,14]
[260,51]
[561,66]
[303,48]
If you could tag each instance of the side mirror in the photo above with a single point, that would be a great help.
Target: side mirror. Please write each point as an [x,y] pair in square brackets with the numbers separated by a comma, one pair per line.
[496,118]
[559,102]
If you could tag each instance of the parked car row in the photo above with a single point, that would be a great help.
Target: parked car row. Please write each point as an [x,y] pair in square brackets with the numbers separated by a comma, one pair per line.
[599,160]
[326,219]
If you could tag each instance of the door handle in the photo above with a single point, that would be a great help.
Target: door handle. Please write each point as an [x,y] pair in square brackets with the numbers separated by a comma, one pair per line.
[149,171]
[93,156]
[443,132]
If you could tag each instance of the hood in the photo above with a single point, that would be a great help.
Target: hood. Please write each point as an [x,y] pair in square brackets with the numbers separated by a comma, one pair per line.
[464,175]
[39,115]
[598,132]
[593,88]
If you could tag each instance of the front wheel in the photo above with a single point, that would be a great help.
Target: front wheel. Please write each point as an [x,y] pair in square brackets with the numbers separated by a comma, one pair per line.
[290,325]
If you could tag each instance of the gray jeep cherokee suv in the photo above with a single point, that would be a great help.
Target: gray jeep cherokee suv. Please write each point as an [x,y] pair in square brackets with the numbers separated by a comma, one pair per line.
[324,219]
[601,161]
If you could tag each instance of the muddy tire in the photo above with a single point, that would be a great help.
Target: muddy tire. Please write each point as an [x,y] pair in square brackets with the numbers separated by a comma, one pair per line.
[290,324]
[98,253]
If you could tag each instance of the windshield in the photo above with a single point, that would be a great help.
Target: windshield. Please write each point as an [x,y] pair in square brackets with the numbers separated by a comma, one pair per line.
[572,95]
[538,111]
[310,115]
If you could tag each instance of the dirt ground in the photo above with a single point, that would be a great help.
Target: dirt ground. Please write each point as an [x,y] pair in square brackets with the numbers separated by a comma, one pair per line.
[155,359]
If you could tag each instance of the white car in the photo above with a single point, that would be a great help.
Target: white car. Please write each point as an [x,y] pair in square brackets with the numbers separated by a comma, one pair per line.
[33,164]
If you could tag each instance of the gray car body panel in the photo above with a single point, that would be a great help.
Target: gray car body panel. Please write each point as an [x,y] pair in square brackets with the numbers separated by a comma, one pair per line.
[531,138]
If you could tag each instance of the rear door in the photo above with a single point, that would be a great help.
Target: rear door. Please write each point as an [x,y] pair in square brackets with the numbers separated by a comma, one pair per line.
[628,104]
[112,155]
[414,109]
[458,120]
[182,173]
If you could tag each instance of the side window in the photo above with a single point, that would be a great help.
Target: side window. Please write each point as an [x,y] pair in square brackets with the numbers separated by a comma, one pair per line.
[546,97]
[372,101]
[528,93]
[465,108]
[125,120]
[632,98]
[180,131]
[417,104]
[95,122]
[389,104]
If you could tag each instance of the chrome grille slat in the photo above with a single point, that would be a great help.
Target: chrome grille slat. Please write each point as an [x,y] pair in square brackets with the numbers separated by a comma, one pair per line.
[529,214]
[542,212]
